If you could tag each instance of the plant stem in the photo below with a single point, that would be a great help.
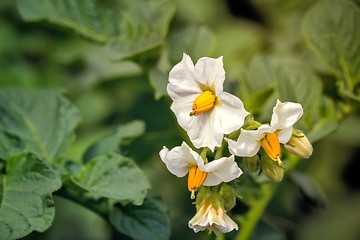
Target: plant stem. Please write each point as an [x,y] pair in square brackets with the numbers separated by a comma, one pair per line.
[256,211]
[249,222]
[71,192]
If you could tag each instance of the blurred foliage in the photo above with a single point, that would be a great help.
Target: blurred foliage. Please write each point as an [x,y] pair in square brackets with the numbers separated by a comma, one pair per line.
[111,60]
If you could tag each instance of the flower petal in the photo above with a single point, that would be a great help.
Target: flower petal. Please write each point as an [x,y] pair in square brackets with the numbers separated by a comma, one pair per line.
[208,216]
[229,225]
[285,134]
[229,113]
[202,133]
[182,112]
[178,159]
[183,79]
[221,170]
[200,221]
[210,73]
[286,114]
[248,143]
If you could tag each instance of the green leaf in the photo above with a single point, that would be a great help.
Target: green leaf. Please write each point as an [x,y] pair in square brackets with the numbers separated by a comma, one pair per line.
[114,176]
[39,121]
[309,188]
[122,137]
[322,128]
[125,27]
[196,40]
[25,196]
[158,75]
[145,28]
[146,222]
[260,75]
[331,28]
[158,81]
[298,84]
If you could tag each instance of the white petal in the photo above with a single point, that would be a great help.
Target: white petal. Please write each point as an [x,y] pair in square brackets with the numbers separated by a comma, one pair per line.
[229,225]
[182,112]
[286,114]
[248,143]
[210,73]
[182,79]
[178,159]
[285,134]
[221,170]
[229,113]
[202,132]
[200,221]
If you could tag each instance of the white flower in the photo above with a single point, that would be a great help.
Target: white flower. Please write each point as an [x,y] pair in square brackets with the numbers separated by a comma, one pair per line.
[209,216]
[284,116]
[181,160]
[199,103]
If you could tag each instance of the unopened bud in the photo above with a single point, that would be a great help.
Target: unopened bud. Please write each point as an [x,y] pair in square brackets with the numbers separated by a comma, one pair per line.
[271,169]
[299,144]
[228,196]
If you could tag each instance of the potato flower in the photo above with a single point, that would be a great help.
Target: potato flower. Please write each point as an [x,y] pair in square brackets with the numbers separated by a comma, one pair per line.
[201,106]
[269,136]
[182,160]
[212,218]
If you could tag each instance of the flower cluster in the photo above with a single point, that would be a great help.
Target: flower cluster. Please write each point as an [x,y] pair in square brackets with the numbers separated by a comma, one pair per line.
[209,116]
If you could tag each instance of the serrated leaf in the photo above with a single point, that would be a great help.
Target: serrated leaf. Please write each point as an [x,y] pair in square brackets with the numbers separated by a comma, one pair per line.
[146,222]
[25,196]
[114,176]
[196,40]
[123,136]
[39,121]
[125,27]
[309,188]
[331,28]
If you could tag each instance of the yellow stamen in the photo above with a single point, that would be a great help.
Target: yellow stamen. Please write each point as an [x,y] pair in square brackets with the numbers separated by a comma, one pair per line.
[195,180]
[271,146]
[203,103]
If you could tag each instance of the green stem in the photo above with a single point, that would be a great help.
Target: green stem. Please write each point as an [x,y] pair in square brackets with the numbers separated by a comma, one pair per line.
[71,192]
[249,222]
[346,74]
[220,150]
[256,211]
[203,154]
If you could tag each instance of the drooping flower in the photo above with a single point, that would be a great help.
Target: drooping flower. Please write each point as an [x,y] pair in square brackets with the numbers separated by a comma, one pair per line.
[201,106]
[182,160]
[211,215]
[269,136]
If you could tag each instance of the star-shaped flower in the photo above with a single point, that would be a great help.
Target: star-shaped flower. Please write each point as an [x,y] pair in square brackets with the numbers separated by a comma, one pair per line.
[201,106]
[182,160]
[284,116]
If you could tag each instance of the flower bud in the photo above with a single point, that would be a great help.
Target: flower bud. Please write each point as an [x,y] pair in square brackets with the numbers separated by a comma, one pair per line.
[299,144]
[271,169]
[228,196]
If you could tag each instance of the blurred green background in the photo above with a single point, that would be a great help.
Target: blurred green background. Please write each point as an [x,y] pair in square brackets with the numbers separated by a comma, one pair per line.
[109,93]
